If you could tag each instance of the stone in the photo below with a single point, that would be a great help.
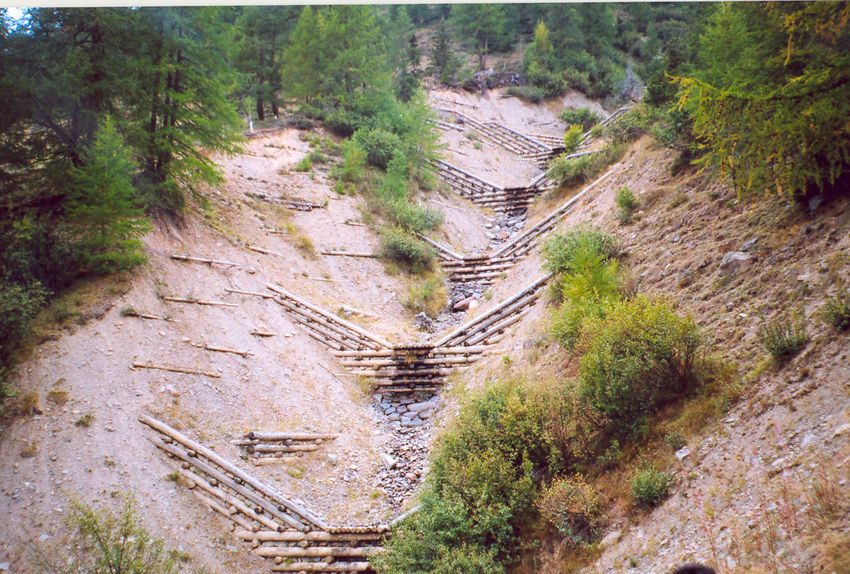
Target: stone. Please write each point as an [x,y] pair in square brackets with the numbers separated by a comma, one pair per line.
[410,477]
[417,407]
[333,459]
[394,417]
[749,244]
[473,304]
[841,430]
[503,235]
[389,461]
[683,453]
[464,304]
[735,262]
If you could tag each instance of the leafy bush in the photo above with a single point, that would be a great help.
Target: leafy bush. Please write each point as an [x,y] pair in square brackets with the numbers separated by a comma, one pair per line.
[350,169]
[675,440]
[428,296]
[381,146]
[396,203]
[630,126]
[580,169]
[626,202]
[572,137]
[573,507]
[836,311]
[585,117]
[481,488]
[639,356]
[305,164]
[109,542]
[316,156]
[565,251]
[783,338]
[407,250]
[650,486]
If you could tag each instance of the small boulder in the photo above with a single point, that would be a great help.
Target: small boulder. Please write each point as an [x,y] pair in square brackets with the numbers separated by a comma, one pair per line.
[465,304]
[735,262]
[389,461]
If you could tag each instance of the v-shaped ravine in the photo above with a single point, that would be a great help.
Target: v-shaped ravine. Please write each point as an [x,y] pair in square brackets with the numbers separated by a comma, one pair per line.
[405,379]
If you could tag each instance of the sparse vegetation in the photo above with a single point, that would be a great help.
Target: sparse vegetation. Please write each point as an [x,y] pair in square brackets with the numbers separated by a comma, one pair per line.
[783,338]
[405,249]
[626,202]
[649,485]
[572,137]
[836,310]
[583,168]
[428,296]
[573,507]
[584,117]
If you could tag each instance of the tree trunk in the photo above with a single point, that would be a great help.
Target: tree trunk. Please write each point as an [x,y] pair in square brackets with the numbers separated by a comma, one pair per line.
[260,108]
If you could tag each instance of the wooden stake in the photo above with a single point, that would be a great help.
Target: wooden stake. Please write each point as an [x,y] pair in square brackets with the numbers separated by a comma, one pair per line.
[258,333]
[199,302]
[203,260]
[349,254]
[175,370]
[263,250]
[252,293]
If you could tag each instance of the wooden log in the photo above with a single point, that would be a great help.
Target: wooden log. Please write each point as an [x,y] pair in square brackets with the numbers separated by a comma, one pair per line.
[384,373]
[497,328]
[258,333]
[264,250]
[329,330]
[318,552]
[199,302]
[137,365]
[263,447]
[352,327]
[132,313]
[463,329]
[387,363]
[441,350]
[353,311]
[252,293]
[273,435]
[227,498]
[213,505]
[312,536]
[439,246]
[232,469]
[268,461]
[324,279]
[203,260]
[223,350]
[328,341]
[223,479]
[355,223]
[349,254]
[322,567]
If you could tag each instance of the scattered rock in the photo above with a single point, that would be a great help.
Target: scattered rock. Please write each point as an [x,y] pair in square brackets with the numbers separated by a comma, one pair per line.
[683,453]
[333,459]
[611,538]
[424,322]
[419,407]
[841,430]
[389,461]
[735,262]
[749,244]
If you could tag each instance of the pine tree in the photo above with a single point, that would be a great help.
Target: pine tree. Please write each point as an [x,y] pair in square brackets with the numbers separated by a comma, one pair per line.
[106,213]
[486,24]
[443,61]
[304,58]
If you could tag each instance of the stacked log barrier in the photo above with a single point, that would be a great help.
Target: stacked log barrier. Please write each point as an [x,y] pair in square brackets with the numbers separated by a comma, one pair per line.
[500,134]
[485,329]
[276,528]
[267,447]
[326,327]
[508,200]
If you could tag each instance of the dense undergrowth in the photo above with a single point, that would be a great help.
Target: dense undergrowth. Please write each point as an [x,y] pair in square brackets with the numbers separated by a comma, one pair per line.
[515,458]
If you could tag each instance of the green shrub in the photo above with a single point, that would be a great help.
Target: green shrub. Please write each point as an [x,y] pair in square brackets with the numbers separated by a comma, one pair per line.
[577,170]
[380,146]
[428,296]
[350,169]
[630,126]
[641,355]
[585,117]
[836,311]
[650,486]
[317,156]
[305,164]
[109,542]
[626,202]
[572,137]
[572,506]
[407,250]
[565,251]
[783,338]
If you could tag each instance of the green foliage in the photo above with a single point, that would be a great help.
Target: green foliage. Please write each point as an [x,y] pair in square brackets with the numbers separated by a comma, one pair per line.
[304,164]
[19,304]
[350,169]
[573,507]
[783,338]
[444,63]
[631,125]
[836,310]
[584,117]
[396,203]
[428,296]
[641,355]
[769,96]
[572,171]
[572,137]
[626,202]
[564,252]
[484,24]
[405,249]
[380,146]
[649,485]
[108,542]
[481,489]
[103,205]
